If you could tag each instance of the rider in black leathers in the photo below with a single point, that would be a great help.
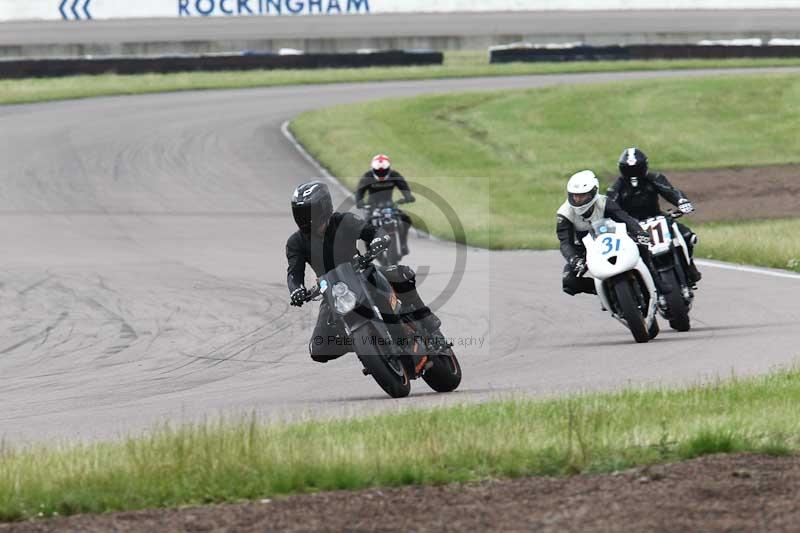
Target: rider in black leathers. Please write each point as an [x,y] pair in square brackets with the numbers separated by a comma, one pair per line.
[378,185]
[326,239]
[637,191]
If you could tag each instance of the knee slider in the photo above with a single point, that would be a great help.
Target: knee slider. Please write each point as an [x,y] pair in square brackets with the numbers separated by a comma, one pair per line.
[569,290]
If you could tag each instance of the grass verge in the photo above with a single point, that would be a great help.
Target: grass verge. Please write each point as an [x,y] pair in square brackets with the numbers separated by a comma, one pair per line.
[457,65]
[224,462]
[511,152]
[770,243]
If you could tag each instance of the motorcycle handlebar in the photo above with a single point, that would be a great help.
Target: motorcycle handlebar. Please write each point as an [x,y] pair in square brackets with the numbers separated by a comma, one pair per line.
[313,293]
[370,207]
[367,258]
[362,260]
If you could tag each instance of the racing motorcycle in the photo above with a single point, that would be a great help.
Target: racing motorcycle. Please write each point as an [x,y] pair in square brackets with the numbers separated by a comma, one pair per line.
[624,283]
[390,345]
[671,260]
[387,216]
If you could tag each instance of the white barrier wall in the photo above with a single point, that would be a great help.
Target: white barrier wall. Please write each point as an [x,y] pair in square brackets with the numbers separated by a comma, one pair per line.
[106,9]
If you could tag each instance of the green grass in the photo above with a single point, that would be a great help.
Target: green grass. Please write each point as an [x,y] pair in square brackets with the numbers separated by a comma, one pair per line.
[225,462]
[502,159]
[770,243]
[457,65]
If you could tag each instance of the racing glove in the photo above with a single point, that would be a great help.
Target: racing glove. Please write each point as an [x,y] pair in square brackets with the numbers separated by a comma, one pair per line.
[299,297]
[643,239]
[408,200]
[578,265]
[380,244]
[685,206]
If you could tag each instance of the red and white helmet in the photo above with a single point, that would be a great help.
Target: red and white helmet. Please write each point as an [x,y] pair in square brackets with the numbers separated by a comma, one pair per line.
[381,167]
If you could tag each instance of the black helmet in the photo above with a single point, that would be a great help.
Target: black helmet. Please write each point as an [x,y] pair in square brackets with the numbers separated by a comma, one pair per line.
[312,205]
[633,163]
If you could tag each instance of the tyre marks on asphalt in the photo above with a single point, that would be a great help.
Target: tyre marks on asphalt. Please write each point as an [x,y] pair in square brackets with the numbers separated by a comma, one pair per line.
[164,246]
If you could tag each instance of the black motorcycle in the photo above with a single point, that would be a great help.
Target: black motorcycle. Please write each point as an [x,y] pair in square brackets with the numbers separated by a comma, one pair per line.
[671,260]
[388,342]
[387,216]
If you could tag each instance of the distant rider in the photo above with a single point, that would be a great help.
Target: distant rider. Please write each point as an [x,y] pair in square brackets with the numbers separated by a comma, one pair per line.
[326,239]
[379,183]
[637,191]
[575,217]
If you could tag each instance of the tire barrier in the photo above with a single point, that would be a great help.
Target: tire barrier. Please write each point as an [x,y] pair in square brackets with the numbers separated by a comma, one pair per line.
[39,68]
[527,53]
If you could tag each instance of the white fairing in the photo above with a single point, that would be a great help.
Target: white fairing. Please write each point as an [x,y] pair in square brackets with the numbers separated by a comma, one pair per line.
[617,246]
[608,247]
[660,234]
[681,242]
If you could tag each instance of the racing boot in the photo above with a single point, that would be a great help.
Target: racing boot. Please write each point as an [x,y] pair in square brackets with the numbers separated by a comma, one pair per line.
[404,239]
[662,305]
[694,274]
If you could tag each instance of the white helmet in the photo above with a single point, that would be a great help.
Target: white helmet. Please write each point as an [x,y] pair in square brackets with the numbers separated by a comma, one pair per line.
[582,191]
[381,167]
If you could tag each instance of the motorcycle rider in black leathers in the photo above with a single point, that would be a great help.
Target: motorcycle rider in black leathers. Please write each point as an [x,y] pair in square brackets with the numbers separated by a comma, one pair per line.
[637,191]
[326,239]
[379,183]
[575,217]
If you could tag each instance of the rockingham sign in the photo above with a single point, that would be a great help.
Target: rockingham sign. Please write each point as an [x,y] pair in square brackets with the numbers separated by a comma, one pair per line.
[206,8]
[108,9]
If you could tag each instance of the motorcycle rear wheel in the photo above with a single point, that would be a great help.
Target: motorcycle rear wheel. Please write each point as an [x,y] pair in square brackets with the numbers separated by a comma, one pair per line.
[445,374]
[678,311]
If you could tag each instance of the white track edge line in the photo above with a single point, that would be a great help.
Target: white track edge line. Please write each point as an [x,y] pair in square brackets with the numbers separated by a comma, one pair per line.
[314,163]
[748,269]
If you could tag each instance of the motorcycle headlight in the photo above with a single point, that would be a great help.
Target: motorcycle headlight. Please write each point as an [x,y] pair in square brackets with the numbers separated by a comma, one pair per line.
[344,299]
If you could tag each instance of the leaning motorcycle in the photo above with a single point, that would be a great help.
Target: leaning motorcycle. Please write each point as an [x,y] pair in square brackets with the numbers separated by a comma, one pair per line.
[671,259]
[387,216]
[390,345]
[624,283]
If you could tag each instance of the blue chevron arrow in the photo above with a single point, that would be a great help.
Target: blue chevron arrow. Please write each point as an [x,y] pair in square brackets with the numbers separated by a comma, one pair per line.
[86,9]
[61,9]
[75,9]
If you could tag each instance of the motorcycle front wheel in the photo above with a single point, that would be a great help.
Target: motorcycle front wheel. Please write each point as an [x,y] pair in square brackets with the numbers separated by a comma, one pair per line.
[623,288]
[388,372]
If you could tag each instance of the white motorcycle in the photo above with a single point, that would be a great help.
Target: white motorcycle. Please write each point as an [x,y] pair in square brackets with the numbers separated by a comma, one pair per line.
[671,260]
[624,283]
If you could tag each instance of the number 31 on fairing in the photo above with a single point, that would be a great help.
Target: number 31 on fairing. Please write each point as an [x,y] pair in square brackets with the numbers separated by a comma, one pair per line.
[611,244]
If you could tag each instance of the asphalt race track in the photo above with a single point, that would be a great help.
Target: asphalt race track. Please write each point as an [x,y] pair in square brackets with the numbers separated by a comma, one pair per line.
[143,277]
[578,24]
